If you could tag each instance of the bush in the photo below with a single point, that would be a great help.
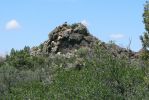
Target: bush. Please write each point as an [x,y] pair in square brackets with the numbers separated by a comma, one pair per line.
[101,77]
[144,55]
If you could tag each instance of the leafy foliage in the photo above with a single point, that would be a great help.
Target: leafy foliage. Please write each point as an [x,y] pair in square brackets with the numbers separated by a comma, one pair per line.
[144,55]
[101,77]
[23,60]
[145,37]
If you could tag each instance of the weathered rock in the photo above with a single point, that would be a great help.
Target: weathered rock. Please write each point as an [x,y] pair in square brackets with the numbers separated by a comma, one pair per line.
[81,29]
[75,37]
[66,38]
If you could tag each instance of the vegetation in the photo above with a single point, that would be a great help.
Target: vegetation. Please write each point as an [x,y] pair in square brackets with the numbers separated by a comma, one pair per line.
[101,77]
[89,73]
[145,37]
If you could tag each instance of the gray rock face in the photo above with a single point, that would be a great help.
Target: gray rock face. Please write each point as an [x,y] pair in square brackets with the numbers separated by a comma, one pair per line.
[69,38]
[66,38]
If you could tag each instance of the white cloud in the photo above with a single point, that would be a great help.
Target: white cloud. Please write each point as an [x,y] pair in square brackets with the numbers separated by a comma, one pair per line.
[85,23]
[12,25]
[117,36]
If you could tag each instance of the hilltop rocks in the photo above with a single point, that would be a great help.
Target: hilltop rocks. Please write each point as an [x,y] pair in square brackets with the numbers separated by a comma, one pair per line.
[120,52]
[66,38]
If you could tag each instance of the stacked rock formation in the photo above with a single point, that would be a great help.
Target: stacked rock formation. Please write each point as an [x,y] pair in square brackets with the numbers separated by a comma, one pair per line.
[66,38]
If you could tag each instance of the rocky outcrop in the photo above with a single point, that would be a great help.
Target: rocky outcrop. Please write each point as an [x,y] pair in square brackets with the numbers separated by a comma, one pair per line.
[66,38]
[118,51]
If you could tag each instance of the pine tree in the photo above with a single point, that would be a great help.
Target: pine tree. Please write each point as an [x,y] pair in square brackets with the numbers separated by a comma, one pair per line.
[145,37]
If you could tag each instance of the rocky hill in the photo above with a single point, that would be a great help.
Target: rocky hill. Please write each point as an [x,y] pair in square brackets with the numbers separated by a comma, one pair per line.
[73,64]
[66,38]
[69,38]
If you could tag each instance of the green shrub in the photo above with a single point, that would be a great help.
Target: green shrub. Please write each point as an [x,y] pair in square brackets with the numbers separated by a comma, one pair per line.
[144,55]
[101,77]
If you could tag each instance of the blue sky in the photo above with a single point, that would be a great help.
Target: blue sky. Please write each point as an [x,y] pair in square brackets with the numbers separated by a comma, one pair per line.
[28,22]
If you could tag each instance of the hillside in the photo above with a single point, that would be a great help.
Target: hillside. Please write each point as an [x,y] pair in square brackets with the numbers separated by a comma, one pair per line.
[69,38]
[72,64]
